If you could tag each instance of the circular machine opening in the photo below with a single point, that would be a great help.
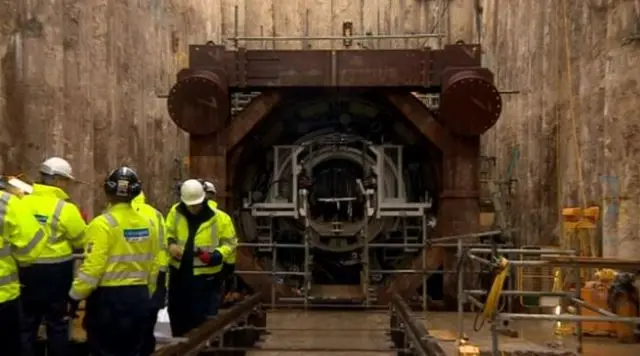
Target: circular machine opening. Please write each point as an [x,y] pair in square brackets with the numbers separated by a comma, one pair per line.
[341,171]
[334,196]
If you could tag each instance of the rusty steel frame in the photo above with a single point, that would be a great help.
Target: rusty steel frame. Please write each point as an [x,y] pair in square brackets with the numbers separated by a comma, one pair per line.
[469,105]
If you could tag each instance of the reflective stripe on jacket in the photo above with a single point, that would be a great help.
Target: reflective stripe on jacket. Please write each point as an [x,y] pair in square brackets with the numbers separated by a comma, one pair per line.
[21,239]
[230,256]
[141,206]
[61,220]
[217,233]
[121,250]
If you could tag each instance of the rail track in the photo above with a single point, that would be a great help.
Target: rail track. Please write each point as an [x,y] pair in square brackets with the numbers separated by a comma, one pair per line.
[249,328]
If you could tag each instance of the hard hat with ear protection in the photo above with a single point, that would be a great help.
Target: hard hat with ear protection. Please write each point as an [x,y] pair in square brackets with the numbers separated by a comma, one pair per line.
[123,182]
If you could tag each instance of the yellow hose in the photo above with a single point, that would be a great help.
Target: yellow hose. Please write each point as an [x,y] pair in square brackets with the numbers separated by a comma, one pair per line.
[491,305]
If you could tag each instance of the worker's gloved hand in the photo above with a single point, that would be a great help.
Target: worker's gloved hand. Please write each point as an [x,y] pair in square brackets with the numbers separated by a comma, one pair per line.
[210,258]
[72,308]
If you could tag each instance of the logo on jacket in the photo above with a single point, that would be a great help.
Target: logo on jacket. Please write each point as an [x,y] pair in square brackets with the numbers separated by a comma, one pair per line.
[133,235]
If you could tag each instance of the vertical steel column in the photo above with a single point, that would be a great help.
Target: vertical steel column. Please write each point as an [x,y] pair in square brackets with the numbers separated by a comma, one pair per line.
[307,254]
[366,270]
[578,306]
[424,264]
[274,262]
[461,295]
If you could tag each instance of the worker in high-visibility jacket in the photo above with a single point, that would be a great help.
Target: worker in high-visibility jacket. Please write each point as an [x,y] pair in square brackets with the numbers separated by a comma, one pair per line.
[46,281]
[21,239]
[210,190]
[229,264]
[119,272]
[158,298]
[199,240]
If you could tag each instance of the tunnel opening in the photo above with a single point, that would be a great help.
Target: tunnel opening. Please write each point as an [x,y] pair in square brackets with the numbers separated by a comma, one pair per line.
[360,171]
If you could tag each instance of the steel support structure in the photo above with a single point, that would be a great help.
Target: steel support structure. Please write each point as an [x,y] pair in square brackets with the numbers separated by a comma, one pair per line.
[369,301]
[548,257]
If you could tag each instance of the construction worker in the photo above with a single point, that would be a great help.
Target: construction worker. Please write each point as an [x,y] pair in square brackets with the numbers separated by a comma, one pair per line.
[47,280]
[229,265]
[199,239]
[119,272]
[158,299]
[21,239]
[210,190]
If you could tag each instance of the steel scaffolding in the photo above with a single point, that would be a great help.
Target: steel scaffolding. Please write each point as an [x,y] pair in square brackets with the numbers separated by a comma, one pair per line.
[365,261]
[548,257]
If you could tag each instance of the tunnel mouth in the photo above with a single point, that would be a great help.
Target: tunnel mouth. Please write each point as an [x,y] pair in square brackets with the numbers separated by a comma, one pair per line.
[339,143]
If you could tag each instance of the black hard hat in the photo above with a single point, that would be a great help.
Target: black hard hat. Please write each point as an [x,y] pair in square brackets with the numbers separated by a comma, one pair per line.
[123,182]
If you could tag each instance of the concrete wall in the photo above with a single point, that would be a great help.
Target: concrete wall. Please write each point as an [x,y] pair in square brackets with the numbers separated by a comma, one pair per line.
[576,119]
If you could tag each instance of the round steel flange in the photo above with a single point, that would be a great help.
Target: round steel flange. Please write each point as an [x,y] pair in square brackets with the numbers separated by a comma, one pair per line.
[469,104]
[199,102]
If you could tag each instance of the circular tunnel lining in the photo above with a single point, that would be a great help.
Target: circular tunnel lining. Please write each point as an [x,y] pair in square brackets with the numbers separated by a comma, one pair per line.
[303,116]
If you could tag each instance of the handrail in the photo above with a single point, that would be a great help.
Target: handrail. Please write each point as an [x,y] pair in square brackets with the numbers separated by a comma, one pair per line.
[418,337]
[197,338]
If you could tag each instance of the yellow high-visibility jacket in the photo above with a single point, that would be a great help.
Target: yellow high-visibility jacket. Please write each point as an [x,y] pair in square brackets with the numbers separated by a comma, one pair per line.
[121,249]
[217,233]
[21,239]
[60,219]
[139,203]
[231,257]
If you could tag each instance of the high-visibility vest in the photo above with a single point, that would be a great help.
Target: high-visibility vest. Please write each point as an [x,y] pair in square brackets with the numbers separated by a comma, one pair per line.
[21,239]
[216,233]
[61,220]
[229,258]
[121,252]
[139,203]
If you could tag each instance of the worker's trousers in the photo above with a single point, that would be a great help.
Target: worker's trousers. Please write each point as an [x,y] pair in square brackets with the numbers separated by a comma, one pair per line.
[10,321]
[157,303]
[190,300]
[115,319]
[44,299]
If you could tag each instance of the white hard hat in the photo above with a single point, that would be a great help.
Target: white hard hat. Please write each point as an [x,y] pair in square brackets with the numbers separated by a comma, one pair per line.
[209,187]
[56,166]
[192,192]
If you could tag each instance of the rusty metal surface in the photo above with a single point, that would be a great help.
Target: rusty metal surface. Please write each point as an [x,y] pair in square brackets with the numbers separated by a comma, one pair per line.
[469,102]
[199,102]
[454,71]
[415,69]
[418,114]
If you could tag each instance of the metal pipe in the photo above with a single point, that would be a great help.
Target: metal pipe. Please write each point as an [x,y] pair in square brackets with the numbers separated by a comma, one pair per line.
[461,296]
[408,271]
[547,251]
[471,235]
[270,273]
[475,302]
[568,317]
[593,308]
[307,349]
[332,38]
[521,293]
[481,260]
[250,327]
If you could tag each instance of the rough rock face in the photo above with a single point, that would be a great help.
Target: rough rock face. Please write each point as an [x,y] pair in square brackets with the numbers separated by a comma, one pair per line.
[80,79]
[575,120]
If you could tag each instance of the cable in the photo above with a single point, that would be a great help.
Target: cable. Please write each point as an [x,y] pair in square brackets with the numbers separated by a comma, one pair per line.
[491,305]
